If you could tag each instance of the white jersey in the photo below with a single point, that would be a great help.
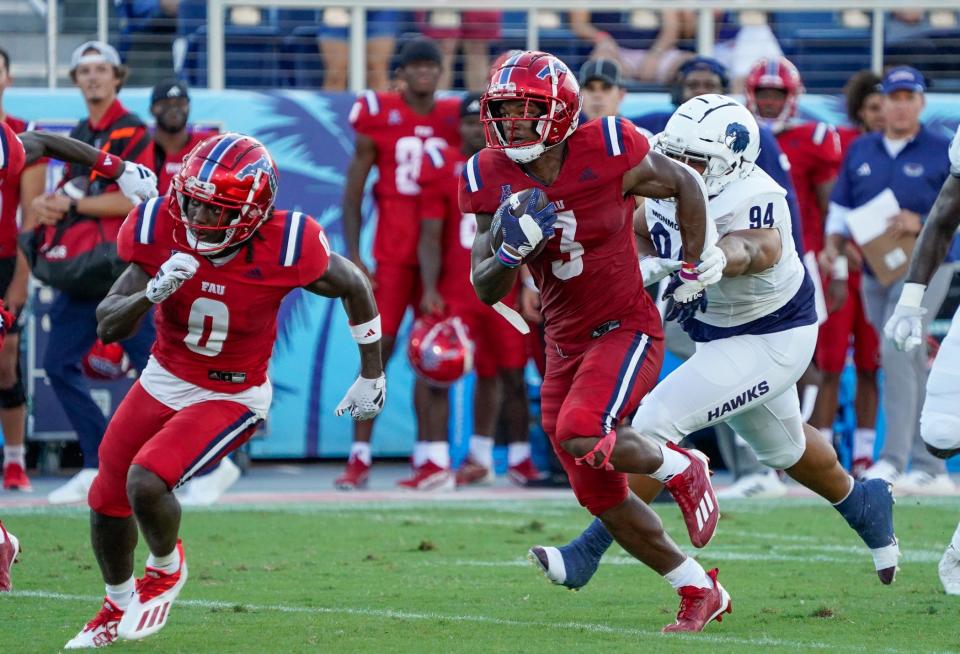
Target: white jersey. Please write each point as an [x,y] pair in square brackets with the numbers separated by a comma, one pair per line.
[776,299]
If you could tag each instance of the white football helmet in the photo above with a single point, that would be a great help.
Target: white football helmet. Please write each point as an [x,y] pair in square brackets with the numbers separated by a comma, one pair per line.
[716,132]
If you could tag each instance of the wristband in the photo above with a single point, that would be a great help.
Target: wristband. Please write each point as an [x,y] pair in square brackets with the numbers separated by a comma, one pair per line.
[688,271]
[108,165]
[507,257]
[368,332]
[840,269]
[912,294]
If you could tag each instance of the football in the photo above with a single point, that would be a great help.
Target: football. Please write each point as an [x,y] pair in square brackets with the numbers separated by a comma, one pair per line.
[515,203]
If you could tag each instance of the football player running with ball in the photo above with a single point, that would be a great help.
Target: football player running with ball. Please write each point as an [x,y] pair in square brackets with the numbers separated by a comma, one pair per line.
[755,330]
[604,335]
[939,421]
[205,388]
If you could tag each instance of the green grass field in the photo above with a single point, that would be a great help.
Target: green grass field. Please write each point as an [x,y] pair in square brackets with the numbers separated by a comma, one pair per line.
[452,577]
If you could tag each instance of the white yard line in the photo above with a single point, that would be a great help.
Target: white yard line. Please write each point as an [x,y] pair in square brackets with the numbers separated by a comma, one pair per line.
[391,614]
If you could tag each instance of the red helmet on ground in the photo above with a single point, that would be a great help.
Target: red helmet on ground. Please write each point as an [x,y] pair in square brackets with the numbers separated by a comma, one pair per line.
[440,351]
[106,361]
[233,173]
[780,74]
[541,82]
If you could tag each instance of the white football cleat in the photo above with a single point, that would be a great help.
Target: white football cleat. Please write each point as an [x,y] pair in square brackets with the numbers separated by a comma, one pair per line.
[9,554]
[74,490]
[99,632]
[917,482]
[206,490]
[150,608]
[882,469]
[759,485]
[949,570]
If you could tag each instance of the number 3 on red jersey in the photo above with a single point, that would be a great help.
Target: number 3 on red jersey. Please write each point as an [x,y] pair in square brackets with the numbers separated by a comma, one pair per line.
[571,264]
[207,327]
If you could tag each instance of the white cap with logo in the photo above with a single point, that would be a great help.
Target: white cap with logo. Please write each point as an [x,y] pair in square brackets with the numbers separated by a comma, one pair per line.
[93,52]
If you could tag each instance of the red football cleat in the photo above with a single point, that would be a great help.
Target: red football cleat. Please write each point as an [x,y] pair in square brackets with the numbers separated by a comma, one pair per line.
[694,494]
[99,632]
[9,553]
[524,472]
[150,608]
[15,478]
[474,474]
[354,476]
[429,477]
[698,606]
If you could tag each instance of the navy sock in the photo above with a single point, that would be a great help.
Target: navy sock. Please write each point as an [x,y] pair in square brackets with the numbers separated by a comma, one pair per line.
[595,539]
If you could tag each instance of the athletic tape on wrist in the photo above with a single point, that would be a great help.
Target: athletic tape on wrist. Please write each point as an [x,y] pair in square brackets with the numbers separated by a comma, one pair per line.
[368,332]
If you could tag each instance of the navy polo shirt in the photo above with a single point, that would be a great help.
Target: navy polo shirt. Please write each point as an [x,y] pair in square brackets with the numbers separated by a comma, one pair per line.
[915,175]
[770,161]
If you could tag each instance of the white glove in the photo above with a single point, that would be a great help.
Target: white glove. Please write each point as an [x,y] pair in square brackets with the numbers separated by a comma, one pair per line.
[905,327]
[364,400]
[137,182]
[712,263]
[172,274]
[654,268]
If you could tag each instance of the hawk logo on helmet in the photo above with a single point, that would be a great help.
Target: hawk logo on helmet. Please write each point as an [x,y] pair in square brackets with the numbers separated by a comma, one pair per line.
[737,137]
[262,164]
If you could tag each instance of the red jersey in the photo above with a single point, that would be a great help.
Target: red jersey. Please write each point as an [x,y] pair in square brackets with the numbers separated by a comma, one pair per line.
[12,163]
[217,331]
[588,274]
[167,165]
[401,137]
[814,153]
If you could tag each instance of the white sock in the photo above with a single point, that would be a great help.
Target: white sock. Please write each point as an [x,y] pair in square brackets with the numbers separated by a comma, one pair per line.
[517,453]
[14,454]
[419,453]
[956,539]
[121,594]
[438,452]
[169,563]
[673,464]
[863,441]
[481,450]
[688,573]
[360,450]
[808,401]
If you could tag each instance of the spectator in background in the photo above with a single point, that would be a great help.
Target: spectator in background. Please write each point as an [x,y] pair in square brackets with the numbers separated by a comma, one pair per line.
[446,239]
[912,162]
[475,30]
[24,185]
[602,87]
[147,31]
[848,318]
[742,39]
[657,64]
[381,37]
[173,137]
[96,70]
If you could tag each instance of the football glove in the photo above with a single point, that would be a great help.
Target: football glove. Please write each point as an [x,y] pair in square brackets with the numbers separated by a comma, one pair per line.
[522,235]
[684,299]
[654,268]
[905,327]
[364,400]
[712,262]
[172,274]
[137,182]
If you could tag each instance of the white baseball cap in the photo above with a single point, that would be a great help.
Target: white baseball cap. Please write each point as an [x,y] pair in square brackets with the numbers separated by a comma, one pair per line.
[100,52]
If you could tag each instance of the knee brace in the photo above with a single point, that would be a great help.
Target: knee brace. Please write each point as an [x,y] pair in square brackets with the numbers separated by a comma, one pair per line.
[940,433]
[13,397]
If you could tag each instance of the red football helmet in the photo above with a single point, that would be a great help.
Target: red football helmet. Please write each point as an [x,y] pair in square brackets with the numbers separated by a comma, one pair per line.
[777,73]
[542,82]
[106,361]
[233,173]
[440,351]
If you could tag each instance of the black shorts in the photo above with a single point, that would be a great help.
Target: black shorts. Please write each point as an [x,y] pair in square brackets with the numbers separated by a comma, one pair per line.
[8,265]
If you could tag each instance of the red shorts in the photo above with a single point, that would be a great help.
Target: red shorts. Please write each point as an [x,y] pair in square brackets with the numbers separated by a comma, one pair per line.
[174,445]
[398,287]
[474,25]
[586,394]
[497,345]
[834,339]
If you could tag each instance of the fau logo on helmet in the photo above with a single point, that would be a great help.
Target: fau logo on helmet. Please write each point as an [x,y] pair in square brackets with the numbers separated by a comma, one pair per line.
[737,137]
[263,166]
